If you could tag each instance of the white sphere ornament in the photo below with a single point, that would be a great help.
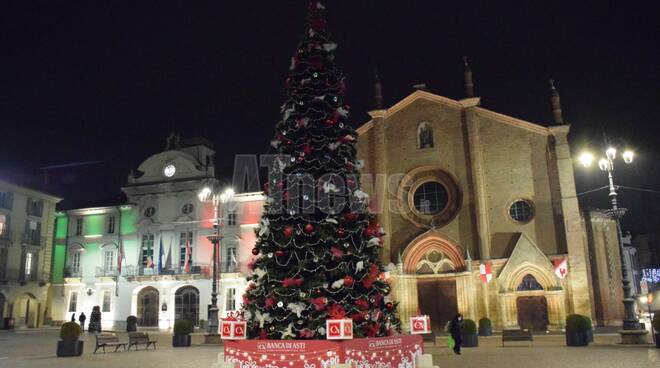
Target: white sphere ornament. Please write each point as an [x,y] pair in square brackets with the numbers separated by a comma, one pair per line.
[280,304]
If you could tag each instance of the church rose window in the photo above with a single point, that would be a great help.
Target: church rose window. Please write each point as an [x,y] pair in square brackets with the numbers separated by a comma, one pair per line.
[187,208]
[431,198]
[521,210]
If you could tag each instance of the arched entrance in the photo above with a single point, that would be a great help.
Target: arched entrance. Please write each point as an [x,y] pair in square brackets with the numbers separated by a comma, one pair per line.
[147,308]
[26,311]
[186,304]
[532,309]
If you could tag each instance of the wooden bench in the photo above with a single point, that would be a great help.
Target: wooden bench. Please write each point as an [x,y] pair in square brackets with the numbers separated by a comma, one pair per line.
[136,338]
[430,337]
[517,335]
[108,339]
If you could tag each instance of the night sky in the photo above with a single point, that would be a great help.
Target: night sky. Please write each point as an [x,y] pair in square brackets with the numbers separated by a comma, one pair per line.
[109,80]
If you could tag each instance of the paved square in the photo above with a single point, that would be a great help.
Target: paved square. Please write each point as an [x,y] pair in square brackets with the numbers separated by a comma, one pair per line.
[36,349]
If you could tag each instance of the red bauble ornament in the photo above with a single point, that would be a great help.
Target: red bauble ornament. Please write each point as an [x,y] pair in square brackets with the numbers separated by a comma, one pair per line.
[351,183]
[341,232]
[348,280]
[279,252]
[309,228]
[255,251]
[389,305]
[350,216]
[288,231]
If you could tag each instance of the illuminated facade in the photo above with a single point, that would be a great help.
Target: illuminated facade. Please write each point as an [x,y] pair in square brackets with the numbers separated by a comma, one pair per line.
[460,191]
[161,222]
[26,232]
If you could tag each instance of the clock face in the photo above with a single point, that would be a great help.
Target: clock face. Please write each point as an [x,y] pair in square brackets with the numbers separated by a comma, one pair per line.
[169,170]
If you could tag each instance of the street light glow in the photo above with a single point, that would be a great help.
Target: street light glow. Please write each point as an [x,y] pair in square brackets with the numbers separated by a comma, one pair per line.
[603,164]
[628,156]
[586,159]
[204,194]
[611,153]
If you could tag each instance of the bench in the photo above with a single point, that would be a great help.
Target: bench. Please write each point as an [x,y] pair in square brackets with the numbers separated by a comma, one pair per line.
[517,335]
[108,339]
[136,338]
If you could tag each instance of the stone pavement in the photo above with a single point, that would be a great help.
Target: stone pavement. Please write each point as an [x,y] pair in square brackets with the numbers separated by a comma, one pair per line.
[36,349]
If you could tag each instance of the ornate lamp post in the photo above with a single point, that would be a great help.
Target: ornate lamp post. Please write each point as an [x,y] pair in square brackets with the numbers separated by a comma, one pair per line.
[208,194]
[606,164]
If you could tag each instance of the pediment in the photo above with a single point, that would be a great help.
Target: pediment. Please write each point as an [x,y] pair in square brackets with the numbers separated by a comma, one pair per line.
[526,255]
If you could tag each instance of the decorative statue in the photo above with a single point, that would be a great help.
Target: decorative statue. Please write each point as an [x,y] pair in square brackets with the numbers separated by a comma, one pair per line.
[425,135]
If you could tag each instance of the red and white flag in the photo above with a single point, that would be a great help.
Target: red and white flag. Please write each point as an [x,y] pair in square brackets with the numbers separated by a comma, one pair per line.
[120,257]
[186,265]
[485,273]
[561,267]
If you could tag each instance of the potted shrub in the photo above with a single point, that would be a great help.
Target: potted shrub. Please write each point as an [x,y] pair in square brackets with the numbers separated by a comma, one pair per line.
[182,330]
[469,333]
[576,330]
[131,324]
[485,327]
[69,345]
[590,329]
[656,328]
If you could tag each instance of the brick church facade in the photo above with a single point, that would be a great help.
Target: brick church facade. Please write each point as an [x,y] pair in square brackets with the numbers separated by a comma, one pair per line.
[458,187]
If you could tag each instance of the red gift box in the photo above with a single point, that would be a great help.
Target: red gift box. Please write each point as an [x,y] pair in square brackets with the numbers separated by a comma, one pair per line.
[420,325]
[339,329]
[232,329]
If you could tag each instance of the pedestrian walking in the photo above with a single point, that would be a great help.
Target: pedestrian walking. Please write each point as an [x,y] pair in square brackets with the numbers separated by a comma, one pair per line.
[82,319]
[455,331]
[73,317]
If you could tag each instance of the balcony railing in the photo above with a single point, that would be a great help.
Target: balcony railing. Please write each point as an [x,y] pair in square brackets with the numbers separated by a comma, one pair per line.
[5,237]
[15,275]
[72,272]
[203,269]
[36,241]
[105,272]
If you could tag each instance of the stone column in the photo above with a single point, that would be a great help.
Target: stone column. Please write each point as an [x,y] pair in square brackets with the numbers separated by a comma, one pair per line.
[466,297]
[378,159]
[577,251]
[404,291]
[478,179]
[556,309]
[507,309]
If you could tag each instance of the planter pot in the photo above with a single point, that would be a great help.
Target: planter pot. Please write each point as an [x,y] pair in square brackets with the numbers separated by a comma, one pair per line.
[131,328]
[8,323]
[657,340]
[485,331]
[590,336]
[470,340]
[69,348]
[181,341]
[576,338]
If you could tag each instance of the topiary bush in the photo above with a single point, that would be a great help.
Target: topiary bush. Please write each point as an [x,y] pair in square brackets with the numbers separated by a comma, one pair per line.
[577,323]
[589,323]
[183,327]
[469,327]
[70,331]
[484,323]
[131,320]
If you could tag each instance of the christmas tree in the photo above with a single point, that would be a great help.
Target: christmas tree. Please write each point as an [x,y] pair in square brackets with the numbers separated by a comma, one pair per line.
[317,249]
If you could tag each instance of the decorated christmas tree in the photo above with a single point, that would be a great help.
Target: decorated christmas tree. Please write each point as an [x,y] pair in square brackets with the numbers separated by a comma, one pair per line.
[318,246]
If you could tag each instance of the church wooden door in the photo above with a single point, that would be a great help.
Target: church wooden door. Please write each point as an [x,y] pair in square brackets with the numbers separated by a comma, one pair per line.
[532,313]
[437,299]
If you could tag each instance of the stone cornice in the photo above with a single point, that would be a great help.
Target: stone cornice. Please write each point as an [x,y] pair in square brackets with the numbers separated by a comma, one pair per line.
[535,128]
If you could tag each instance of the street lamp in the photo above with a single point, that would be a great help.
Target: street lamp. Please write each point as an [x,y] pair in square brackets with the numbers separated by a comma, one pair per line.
[606,164]
[208,194]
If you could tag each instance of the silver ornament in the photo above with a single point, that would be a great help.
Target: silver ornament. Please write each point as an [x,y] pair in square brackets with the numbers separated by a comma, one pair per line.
[306,197]
[293,159]
[280,304]
[316,75]
[346,245]
[341,125]
[270,255]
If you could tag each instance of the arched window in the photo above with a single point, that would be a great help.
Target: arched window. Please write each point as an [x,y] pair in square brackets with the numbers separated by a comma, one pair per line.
[186,304]
[529,283]
[424,135]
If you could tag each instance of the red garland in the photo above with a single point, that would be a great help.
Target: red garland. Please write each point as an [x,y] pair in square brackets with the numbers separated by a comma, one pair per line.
[288,282]
[336,311]
[336,252]
[319,303]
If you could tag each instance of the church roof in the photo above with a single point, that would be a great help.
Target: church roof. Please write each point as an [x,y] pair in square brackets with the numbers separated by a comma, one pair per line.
[457,104]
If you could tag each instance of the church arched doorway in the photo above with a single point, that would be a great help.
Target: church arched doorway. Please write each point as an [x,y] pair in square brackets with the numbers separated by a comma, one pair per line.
[532,307]
[147,309]
[186,304]
[2,308]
